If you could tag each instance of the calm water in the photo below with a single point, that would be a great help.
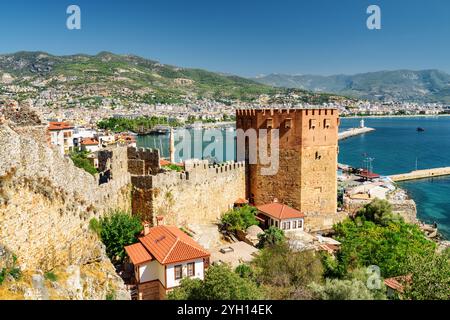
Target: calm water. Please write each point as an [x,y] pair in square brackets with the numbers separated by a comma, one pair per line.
[396,147]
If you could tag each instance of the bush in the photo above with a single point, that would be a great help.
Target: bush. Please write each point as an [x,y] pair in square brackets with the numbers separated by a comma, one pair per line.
[430,277]
[12,271]
[286,274]
[364,243]
[220,283]
[379,212]
[239,218]
[336,289]
[80,160]
[354,287]
[270,237]
[244,271]
[118,230]
[174,167]
[50,276]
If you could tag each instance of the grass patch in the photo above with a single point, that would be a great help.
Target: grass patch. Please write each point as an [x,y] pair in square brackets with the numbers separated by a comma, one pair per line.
[51,276]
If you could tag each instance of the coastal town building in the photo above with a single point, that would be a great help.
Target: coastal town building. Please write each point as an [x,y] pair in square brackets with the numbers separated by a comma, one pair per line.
[162,258]
[90,145]
[281,216]
[61,136]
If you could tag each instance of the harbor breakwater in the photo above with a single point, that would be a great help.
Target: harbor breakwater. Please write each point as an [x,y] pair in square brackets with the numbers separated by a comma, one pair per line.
[354,132]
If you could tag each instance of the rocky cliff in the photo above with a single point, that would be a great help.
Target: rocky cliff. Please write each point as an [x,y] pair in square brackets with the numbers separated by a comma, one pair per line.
[46,204]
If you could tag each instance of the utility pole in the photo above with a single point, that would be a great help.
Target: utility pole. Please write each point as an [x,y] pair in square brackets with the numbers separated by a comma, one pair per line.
[369,164]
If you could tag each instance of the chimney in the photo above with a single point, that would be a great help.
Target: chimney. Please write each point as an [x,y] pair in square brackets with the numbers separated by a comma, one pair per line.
[172,146]
[159,220]
[146,228]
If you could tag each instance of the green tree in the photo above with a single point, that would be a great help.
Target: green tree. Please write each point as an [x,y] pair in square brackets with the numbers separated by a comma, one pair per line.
[117,231]
[220,283]
[380,212]
[365,243]
[336,289]
[430,277]
[285,274]
[271,236]
[244,271]
[239,218]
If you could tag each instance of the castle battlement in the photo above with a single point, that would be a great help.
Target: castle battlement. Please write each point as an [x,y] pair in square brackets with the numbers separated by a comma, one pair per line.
[272,112]
[200,172]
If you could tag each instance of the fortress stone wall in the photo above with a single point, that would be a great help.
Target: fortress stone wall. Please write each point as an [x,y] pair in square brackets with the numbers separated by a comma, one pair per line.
[46,203]
[200,194]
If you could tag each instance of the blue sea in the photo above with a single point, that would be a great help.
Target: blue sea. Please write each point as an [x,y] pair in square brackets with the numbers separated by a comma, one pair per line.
[396,147]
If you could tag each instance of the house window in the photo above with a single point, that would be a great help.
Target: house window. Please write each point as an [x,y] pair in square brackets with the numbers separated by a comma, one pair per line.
[288,225]
[178,272]
[276,224]
[294,224]
[300,224]
[191,269]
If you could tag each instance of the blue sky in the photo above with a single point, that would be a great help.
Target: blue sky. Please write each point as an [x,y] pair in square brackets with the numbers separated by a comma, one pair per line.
[246,37]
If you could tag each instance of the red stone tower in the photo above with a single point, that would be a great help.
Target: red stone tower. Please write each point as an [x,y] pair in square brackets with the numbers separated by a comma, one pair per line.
[308,149]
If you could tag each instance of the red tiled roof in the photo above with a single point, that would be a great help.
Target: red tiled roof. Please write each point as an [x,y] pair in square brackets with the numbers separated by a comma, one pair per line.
[125,137]
[56,126]
[168,244]
[397,283]
[89,142]
[280,211]
[138,254]
[163,162]
[241,201]
[369,175]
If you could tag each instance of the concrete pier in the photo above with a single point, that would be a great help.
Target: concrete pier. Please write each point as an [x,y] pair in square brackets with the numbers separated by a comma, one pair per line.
[354,132]
[421,174]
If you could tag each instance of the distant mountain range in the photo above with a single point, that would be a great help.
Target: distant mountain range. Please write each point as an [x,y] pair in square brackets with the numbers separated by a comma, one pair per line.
[399,85]
[136,79]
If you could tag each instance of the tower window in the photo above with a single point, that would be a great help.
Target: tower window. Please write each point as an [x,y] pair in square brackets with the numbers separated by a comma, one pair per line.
[269,123]
[326,123]
[312,123]
[288,123]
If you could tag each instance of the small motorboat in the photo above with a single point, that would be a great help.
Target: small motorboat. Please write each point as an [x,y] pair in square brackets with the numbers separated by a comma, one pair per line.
[419,129]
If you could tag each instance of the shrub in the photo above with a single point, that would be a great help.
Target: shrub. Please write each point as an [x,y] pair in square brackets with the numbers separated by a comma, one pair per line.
[379,212]
[244,271]
[118,230]
[80,160]
[220,283]
[270,237]
[174,167]
[12,271]
[239,218]
[430,277]
[364,243]
[286,274]
[336,289]
[50,276]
